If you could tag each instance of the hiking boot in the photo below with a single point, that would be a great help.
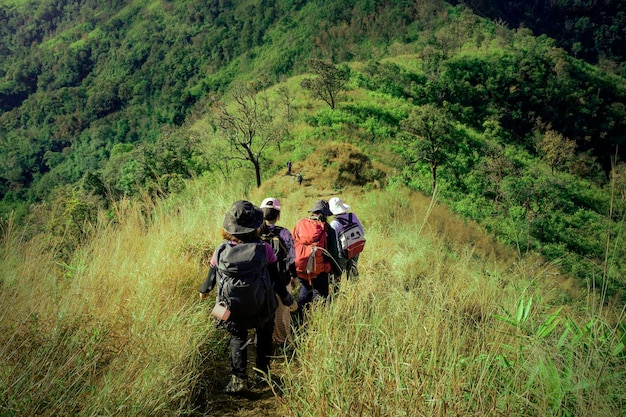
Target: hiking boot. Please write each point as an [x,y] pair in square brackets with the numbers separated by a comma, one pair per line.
[236,385]
[282,350]
[260,381]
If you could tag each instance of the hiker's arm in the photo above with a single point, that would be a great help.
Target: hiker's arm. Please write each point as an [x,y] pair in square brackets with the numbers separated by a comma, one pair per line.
[332,242]
[209,283]
[281,290]
[333,249]
[292,271]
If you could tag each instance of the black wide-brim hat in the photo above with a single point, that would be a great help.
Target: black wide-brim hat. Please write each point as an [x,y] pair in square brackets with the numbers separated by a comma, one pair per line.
[243,217]
[321,207]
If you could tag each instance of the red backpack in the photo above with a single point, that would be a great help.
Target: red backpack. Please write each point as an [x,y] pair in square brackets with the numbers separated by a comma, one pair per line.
[309,238]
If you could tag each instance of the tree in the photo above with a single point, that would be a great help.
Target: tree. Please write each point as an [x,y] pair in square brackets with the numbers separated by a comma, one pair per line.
[496,167]
[285,97]
[328,82]
[250,125]
[556,149]
[434,135]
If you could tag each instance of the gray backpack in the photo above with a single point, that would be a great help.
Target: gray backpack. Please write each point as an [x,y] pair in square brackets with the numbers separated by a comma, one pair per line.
[243,282]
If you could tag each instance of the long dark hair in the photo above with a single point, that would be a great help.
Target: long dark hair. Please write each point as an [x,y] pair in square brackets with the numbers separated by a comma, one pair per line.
[270,213]
[242,238]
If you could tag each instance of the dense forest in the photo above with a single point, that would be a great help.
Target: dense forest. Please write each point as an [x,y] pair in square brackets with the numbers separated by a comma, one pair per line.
[80,77]
[591,30]
[98,101]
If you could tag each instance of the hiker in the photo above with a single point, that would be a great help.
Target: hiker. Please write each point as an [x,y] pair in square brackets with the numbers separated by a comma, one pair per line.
[350,236]
[316,253]
[282,243]
[288,167]
[299,178]
[244,268]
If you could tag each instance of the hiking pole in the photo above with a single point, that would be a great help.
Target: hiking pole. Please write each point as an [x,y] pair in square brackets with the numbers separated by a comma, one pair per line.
[332,259]
[332,277]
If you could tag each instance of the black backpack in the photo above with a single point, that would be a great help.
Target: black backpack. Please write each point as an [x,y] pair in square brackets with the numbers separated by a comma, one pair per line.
[244,284]
[280,250]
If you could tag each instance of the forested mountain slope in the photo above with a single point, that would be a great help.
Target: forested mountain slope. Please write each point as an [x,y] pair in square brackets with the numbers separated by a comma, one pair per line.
[79,77]
[486,162]
[591,30]
[130,99]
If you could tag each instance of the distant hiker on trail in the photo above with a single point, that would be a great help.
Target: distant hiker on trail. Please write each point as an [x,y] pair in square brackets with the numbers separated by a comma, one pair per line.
[299,178]
[350,236]
[288,167]
[282,243]
[244,268]
[316,253]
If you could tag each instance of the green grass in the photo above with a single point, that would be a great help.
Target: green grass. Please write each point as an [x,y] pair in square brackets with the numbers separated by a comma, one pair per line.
[436,330]
[443,321]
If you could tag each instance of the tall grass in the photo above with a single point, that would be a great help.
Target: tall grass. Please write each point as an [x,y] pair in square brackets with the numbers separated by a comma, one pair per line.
[432,328]
[442,321]
[116,330]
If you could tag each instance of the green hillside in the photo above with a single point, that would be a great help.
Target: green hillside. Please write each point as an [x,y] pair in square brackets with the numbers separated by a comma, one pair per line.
[587,31]
[78,78]
[486,163]
[443,320]
[102,103]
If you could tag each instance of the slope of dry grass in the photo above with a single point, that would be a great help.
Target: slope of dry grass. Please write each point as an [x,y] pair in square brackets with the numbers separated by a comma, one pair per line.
[444,321]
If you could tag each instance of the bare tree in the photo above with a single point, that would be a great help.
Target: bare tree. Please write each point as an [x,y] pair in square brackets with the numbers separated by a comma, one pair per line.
[250,125]
[285,97]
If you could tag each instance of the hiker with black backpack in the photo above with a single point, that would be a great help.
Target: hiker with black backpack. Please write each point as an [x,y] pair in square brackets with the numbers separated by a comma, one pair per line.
[316,253]
[350,236]
[282,243]
[244,269]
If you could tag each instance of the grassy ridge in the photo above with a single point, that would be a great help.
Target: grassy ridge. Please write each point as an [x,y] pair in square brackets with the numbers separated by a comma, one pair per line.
[116,330]
[432,328]
[444,320]
[436,328]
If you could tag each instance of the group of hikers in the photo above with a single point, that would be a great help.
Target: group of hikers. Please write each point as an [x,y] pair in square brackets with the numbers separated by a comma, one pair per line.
[259,263]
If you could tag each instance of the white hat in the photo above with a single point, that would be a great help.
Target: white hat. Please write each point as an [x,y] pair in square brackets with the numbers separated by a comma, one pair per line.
[337,206]
[271,203]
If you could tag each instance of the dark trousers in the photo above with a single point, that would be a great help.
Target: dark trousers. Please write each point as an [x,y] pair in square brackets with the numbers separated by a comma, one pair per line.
[317,288]
[239,351]
[349,266]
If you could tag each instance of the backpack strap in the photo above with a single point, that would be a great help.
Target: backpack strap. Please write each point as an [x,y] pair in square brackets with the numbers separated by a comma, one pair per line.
[266,232]
[343,221]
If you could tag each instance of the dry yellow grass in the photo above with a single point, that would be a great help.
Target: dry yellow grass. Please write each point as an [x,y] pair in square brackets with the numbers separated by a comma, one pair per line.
[119,330]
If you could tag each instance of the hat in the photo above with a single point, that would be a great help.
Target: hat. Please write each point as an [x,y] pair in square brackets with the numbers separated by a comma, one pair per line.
[321,206]
[270,203]
[337,206]
[243,217]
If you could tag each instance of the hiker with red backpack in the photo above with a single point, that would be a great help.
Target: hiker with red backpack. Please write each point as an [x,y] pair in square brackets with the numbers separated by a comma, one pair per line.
[316,253]
[282,243]
[350,236]
[244,269]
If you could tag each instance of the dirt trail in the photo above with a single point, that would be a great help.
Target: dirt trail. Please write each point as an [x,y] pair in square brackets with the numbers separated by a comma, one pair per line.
[259,400]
